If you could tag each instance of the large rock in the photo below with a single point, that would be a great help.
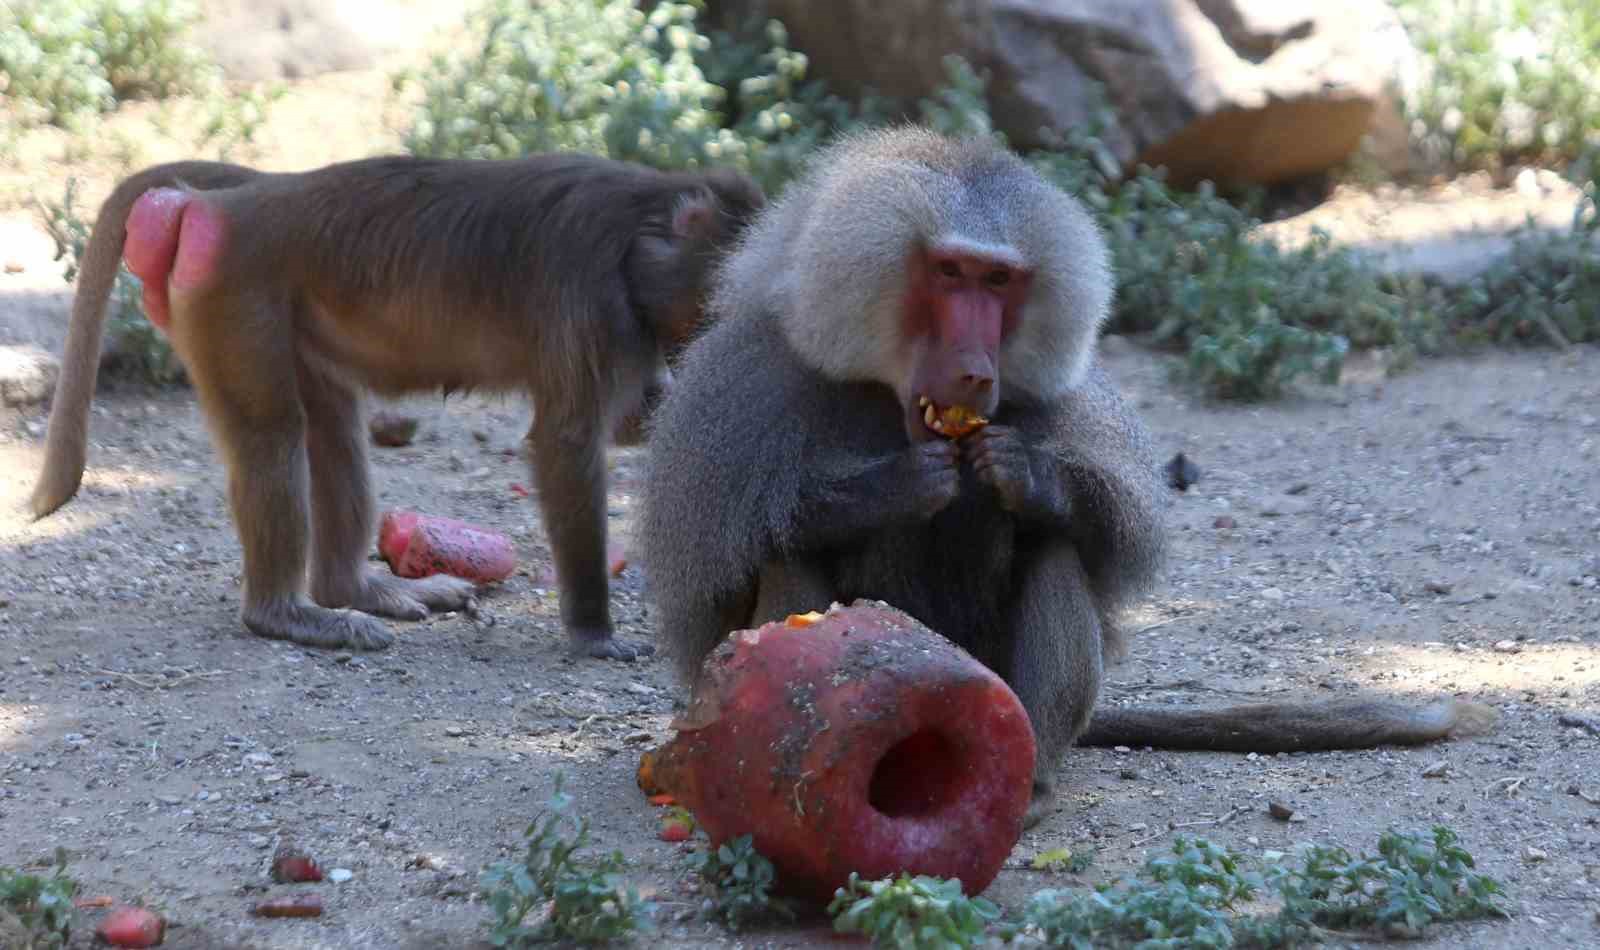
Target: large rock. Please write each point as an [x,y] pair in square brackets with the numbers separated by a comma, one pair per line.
[1231,90]
[27,375]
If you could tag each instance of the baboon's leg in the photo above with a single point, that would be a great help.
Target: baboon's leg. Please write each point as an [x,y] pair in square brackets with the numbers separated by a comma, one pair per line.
[1056,658]
[342,513]
[239,352]
[569,469]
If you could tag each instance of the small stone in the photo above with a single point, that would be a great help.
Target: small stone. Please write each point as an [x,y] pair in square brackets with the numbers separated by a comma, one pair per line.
[258,758]
[1437,587]
[1298,488]
[1224,522]
[169,799]
[1527,184]
[1436,770]
[1279,507]
[1273,594]
[340,875]
[392,429]
[1127,774]
[1507,646]
[1280,811]
[454,732]
[27,375]
[1121,749]
[1534,855]
[1181,472]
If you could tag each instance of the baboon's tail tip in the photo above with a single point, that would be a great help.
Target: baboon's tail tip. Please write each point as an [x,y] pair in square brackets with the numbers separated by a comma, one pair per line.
[1463,718]
[48,496]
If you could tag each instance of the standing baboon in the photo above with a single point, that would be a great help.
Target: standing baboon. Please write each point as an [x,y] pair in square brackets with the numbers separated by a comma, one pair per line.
[286,296]
[811,449]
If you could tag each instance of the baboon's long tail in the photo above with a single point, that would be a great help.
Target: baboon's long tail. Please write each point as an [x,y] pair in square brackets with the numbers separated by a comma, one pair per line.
[66,443]
[1288,727]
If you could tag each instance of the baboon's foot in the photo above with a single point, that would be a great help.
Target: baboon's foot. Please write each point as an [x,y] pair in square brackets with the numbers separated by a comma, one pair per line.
[313,626]
[1042,803]
[403,598]
[605,645]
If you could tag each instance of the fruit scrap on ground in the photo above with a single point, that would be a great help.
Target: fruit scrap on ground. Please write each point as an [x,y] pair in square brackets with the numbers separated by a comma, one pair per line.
[417,545]
[676,825]
[306,905]
[129,926]
[292,866]
[864,742]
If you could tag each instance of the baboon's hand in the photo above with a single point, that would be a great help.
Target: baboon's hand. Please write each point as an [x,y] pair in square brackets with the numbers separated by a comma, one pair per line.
[932,477]
[1001,460]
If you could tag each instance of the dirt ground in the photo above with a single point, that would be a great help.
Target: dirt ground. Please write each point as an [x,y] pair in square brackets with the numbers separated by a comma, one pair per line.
[1433,533]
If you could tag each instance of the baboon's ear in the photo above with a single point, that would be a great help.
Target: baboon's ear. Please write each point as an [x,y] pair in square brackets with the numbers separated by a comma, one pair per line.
[695,216]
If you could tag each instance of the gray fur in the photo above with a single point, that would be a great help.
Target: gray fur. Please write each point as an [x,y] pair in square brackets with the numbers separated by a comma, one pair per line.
[782,477]
[794,399]
[829,260]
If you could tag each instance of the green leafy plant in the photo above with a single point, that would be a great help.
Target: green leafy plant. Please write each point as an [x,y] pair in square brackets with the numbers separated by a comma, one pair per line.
[142,351]
[65,59]
[232,122]
[554,893]
[1195,274]
[740,881]
[599,76]
[912,913]
[959,108]
[1069,860]
[606,77]
[1192,897]
[36,910]
[1545,289]
[1183,901]
[1504,82]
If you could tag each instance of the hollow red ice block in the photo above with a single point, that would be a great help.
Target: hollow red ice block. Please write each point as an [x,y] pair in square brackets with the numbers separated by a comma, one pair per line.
[856,740]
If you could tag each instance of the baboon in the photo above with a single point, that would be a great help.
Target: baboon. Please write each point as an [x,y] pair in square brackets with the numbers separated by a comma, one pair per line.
[906,275]
[288,297]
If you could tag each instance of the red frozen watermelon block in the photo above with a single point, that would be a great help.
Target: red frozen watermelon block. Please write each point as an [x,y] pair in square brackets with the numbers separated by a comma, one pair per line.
[417,545]
[852,740]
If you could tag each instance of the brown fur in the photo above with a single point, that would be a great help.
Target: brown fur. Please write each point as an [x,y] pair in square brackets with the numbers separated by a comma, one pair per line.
[567,276]
[1021,543]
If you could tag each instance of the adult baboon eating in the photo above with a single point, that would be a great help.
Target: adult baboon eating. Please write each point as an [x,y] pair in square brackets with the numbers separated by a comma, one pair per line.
[908,289]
